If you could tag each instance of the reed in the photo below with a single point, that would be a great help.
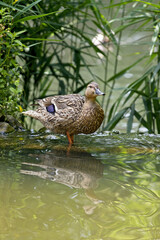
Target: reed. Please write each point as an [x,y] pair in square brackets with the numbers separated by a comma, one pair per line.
[62,54]
[140,99]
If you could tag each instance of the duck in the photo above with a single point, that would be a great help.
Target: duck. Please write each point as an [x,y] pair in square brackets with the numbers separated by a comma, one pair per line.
[70,114]
[103,43]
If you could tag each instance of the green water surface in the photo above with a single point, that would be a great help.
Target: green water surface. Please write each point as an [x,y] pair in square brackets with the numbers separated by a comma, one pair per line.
[104,187]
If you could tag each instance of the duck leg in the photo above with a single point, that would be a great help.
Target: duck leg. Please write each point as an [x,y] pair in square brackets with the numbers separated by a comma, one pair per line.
[70,138]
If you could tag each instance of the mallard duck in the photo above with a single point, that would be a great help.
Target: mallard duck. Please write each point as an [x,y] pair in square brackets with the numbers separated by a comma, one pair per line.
[70,114]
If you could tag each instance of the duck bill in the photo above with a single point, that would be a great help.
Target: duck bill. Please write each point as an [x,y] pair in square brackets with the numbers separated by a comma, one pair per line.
[99,93]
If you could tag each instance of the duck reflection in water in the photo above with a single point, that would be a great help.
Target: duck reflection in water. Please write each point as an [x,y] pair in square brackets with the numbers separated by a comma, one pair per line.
[79,170]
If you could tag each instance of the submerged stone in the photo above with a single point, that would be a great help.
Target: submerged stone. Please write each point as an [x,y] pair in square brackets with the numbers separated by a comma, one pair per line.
[12,121]
[5,127]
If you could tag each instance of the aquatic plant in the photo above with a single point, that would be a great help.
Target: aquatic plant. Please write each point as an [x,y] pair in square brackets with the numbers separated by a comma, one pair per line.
[10,48]
[140,98]
[58,41]
[67,40]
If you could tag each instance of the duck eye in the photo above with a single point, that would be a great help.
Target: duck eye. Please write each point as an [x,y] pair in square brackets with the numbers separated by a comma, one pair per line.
[90,87]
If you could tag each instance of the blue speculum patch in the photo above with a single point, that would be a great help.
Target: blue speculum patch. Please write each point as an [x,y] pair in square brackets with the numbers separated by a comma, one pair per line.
[51,108]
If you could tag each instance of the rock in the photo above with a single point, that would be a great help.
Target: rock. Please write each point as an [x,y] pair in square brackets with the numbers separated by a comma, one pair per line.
[6,128]
[12,121]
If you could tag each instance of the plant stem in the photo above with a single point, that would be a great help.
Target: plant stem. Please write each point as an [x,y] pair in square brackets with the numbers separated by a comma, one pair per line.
[116,64]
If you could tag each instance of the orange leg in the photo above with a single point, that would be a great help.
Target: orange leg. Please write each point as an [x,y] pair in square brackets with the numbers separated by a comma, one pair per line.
[70,138]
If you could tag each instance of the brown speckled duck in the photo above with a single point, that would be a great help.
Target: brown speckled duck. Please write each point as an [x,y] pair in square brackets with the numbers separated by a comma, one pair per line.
[70,114]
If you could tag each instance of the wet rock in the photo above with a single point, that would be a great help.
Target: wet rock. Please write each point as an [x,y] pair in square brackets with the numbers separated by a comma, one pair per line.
[5,127]
[13,122]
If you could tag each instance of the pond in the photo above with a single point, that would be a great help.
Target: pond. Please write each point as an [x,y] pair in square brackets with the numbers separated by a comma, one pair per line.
[107,186]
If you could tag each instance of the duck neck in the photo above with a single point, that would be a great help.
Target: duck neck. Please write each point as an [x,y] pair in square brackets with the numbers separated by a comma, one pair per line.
[90,101]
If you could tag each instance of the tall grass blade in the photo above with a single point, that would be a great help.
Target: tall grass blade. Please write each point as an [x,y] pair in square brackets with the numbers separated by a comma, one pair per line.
[140,119]
[156,105]
[155,37]
[149,3]
[10,6]
[122,72]
[130,120]
[148,109]
[25,9]
[33,17]
[116,119]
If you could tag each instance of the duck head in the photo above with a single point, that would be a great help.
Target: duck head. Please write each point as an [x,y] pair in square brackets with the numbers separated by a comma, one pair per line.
[92,91]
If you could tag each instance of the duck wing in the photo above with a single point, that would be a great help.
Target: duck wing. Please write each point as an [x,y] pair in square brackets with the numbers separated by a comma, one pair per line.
[63,102]
[61,110]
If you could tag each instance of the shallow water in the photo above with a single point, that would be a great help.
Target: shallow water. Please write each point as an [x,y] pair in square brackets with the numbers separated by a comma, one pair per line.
[105,187]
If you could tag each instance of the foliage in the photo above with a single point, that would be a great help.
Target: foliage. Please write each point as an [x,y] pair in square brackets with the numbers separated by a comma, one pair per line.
[62,55]
[128,104]
[10,48]
[58,45]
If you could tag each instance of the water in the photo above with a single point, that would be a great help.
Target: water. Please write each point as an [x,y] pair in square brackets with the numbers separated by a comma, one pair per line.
[105,187]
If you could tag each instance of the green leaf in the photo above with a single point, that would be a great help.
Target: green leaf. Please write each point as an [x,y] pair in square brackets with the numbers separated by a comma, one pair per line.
[155,71]
[111,112]
[130,120]
[148,105]
[25,9]
[148,3]
[116,119]
[140,119]
[9,34]
[46,62]
[126,2]
[2,85]
[40,39]
[156,105]
[45,88]
[155,37]
[10,6]
[19,43]
[133,88]
[34,17]
[122,72]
